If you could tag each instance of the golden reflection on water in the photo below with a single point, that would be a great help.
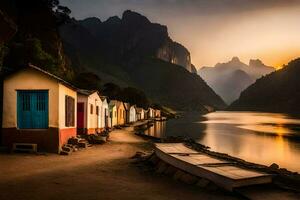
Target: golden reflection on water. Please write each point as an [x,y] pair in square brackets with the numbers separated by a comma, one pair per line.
[263,138]
[158,130]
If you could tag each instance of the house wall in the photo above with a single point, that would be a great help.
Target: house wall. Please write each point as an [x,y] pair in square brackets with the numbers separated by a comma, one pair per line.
[92,119]
[121,114]
[66,132]
[132,117]
[114,116]
[30,79]
[104,116]
[142,115]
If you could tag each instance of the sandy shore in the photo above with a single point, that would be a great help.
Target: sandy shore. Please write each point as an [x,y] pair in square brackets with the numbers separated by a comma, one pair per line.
[99,172]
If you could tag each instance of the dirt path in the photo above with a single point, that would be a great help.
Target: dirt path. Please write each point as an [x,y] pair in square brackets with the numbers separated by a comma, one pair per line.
[101,172]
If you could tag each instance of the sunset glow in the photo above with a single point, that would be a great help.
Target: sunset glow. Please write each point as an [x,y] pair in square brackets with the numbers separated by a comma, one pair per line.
[267,30]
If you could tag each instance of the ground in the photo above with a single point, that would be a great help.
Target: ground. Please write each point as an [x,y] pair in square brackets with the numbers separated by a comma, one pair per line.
[99,172]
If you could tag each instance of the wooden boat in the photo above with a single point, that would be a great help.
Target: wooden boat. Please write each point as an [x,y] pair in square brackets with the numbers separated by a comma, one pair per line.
[223,173]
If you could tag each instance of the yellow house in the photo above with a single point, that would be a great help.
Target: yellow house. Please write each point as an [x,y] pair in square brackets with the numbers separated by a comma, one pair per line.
[38,108]
[121,112]
[89,105]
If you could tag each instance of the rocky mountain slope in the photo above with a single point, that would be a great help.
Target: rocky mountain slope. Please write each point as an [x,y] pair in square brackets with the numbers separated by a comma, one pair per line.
[231,78]
[132,51]
[134,36]
[276,92]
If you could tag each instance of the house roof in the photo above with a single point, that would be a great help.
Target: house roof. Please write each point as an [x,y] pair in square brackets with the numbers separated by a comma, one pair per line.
[60,80]
[103,98]
[139,110]
[117,103]
[127,106]
[86,92]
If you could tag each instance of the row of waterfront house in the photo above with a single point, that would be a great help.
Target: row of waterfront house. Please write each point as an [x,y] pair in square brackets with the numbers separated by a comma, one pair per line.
[41,108]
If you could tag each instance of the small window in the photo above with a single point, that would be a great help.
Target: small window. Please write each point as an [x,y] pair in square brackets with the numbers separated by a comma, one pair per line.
[115,113]
[69,111]
[92,109]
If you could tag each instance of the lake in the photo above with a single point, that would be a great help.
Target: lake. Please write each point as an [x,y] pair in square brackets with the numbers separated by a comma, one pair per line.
[263,138]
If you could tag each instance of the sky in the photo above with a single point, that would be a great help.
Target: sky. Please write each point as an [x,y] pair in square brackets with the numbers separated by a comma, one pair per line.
[215,30]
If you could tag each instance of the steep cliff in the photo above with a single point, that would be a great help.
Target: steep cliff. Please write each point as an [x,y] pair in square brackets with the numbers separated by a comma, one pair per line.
[276,92]
[134,36]
[124,51]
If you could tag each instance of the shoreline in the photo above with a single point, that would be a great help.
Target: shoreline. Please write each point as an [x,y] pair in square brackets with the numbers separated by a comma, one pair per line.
[105,171]
[284,178]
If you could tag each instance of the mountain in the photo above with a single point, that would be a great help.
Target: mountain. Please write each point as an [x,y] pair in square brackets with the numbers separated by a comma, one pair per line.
[276,92]
[132,51]
[37,38]
[231,78]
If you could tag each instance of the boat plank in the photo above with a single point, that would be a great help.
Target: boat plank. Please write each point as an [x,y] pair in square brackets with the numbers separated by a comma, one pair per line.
[199,159]
[223,173]
[175,148]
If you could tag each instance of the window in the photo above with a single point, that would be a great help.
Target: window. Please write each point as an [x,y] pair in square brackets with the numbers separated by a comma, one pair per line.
[69,111]
[115,113]
[92,109]
[97,110]
[32,109]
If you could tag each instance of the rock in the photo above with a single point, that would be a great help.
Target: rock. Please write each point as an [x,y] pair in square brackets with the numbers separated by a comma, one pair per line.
[203,182]
[73,141]
[274,166]
[67,149]
[82,144]
[188,179]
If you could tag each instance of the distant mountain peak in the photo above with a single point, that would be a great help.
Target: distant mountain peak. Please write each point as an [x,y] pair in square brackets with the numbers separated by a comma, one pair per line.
[93,19]
[256,63]
[231,78]
[235,59]
[113,20]
[134,17]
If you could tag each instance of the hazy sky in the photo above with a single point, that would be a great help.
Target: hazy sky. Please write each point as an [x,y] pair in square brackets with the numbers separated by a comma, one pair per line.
[215,30]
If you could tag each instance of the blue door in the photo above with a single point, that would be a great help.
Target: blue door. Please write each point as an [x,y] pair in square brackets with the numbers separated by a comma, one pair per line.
[32,109]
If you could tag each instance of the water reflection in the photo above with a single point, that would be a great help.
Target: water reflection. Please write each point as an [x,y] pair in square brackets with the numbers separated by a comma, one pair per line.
[263,138]
[157,130]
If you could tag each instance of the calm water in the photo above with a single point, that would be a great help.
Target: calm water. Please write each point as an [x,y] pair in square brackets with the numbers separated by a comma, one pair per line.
[263,138]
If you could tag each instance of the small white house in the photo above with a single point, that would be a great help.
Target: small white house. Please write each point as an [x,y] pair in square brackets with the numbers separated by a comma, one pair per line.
[140,113]
[112,114]
[132,114]
[104,113]
[151,113]
[88,112]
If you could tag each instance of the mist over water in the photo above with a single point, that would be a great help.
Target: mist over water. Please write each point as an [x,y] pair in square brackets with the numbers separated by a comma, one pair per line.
[263,138]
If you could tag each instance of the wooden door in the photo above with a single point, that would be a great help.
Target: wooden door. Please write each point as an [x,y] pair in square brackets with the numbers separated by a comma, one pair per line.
[80,115]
